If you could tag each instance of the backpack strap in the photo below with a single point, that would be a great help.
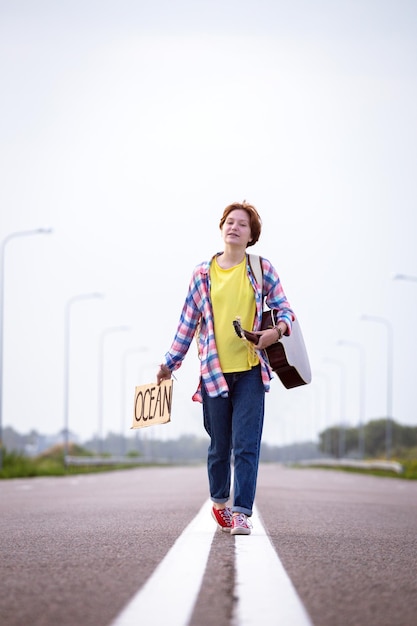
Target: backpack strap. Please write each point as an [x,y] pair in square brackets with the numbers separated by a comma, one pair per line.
[255,263]
[256,267]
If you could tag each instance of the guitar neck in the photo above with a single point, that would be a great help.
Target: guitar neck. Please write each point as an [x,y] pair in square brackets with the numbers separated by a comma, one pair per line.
[252,337]
[241,332]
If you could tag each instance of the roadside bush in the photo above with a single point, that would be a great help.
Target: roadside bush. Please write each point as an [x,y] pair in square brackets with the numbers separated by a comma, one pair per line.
[410,468]
[17,465]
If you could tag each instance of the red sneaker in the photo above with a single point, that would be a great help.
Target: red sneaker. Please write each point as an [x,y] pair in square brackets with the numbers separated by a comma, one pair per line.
[223,517]
[241,525]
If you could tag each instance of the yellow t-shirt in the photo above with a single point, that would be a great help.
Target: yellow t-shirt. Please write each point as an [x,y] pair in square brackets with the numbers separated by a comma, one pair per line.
[232,295]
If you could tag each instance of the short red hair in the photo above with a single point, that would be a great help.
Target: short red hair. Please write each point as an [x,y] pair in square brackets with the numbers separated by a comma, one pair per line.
[254,219]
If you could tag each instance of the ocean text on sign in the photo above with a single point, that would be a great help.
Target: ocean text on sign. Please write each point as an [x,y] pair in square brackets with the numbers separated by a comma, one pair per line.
[152,404]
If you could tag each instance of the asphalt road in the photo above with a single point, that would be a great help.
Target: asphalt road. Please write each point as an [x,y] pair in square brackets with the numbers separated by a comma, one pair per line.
[74,550]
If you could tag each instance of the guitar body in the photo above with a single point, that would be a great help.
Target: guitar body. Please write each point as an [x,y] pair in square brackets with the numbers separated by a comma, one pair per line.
[288,357]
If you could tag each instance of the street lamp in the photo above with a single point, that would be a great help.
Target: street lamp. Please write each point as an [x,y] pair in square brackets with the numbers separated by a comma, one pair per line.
[388,428]
[104,333]
[128,352]
[67,331]
[361,431]
[21,233]
[326,441]
[342,404]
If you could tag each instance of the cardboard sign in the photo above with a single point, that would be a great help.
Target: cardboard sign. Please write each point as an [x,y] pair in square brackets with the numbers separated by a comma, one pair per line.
[152,404]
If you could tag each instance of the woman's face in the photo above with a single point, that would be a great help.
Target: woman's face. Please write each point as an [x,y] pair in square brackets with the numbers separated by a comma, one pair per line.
[236,229]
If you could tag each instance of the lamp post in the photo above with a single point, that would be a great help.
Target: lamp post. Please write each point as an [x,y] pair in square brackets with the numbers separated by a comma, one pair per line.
[67,346]
[361,431]
[104,333]
[342,433]
[388,327]
[326,441]
[128,353]
[5,241]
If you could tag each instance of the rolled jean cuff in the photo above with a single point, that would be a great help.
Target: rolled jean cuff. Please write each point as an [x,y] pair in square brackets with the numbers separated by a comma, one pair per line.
[220,500]
[241,509]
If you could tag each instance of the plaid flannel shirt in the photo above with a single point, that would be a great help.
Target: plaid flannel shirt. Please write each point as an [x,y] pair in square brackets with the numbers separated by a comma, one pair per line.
[197,312]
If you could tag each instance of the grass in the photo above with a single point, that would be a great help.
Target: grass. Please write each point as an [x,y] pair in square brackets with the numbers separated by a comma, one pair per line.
[51,463]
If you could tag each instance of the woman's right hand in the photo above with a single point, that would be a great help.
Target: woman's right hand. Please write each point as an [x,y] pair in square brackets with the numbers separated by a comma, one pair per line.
[164,373]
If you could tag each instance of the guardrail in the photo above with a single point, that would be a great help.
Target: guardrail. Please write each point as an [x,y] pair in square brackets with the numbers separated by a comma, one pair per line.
[124,460]
[102,460]
[392,466]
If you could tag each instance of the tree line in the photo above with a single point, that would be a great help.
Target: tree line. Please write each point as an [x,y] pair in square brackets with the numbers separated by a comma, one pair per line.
[336,441]
[370,440]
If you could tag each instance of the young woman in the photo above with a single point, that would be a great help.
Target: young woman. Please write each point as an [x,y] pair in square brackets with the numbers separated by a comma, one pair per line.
[233,378]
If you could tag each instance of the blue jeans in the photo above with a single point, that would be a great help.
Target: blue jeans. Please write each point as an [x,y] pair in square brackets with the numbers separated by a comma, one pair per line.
[235,423]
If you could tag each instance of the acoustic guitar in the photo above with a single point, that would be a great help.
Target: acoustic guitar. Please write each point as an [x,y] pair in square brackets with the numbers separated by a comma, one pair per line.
[288,357]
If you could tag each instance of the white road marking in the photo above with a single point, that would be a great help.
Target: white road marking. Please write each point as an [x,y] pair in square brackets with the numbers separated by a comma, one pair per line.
[265,593]
[169,595]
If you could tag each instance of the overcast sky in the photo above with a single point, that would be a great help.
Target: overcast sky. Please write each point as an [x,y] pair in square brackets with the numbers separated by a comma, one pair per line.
[128,126]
